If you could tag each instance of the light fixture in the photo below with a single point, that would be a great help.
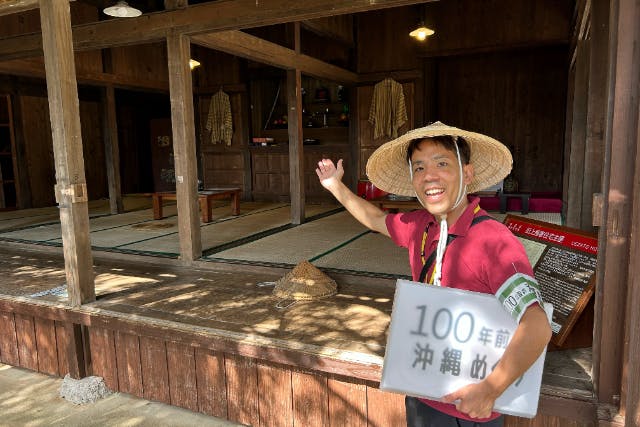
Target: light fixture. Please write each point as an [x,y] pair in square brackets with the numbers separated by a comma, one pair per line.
[193,64]
[422,32]
[122,10]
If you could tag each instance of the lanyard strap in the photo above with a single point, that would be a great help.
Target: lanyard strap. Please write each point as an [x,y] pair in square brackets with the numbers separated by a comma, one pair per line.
[450,238]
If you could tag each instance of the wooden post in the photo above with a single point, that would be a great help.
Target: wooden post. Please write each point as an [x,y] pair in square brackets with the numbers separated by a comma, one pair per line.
[111,149]
[617,284]
[64,111]
[184,146]
[596,109]
[621,282]
[578,129]
[296,149]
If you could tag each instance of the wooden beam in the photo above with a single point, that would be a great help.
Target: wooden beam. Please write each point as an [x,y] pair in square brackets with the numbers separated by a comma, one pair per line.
[64,113]
[184,147]
[339,28]
[296,148]
[15,6]
[111,149]
[196,19]
[175,4]
[8,7]
[32,68]
[256,49]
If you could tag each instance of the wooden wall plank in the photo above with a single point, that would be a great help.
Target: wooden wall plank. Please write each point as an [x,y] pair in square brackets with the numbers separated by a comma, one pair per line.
[543,421]
[103,356]
[63,340]
[576,172]
[46,344]
[384,408]
[129,366]
[111,149]
[38,151]
[242,389]
[310,399]
[274,396]
[182,376]
[8,340]
[523,106]
[212,383]
[155,375]
[347,403]
[27,349]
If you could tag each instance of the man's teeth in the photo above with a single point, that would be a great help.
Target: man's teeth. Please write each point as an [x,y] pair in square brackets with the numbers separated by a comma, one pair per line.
[434,192]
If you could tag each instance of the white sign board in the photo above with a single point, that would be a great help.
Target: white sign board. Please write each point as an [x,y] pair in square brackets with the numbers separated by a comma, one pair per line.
[441,339]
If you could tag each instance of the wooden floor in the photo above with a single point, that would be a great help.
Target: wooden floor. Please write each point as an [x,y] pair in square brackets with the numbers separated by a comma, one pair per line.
[211,340]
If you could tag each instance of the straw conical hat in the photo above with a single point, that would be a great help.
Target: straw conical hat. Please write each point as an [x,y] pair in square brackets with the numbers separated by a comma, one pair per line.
[305,282]
[388,170]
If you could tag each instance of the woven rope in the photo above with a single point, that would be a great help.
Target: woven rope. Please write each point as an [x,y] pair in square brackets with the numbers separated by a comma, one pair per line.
[388,169]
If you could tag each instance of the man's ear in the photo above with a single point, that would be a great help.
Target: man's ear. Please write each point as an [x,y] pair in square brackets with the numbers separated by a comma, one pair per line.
[468,172]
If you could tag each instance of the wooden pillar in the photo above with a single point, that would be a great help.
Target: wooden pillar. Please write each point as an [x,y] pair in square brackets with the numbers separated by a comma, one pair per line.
[112,150]
[71,187]
[623,214]
[578,135]
[184,146]
[596,109]
[296,148]
[617,286]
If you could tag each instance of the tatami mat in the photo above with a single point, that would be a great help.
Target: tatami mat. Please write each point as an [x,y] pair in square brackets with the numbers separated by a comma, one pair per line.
[372,253]
[299,243]
[261,234]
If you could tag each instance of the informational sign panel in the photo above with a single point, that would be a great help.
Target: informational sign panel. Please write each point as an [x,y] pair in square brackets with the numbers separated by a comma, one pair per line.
[564,263]
[441,339]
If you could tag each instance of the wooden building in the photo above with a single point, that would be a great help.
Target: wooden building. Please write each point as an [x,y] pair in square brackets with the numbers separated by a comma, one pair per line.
[89,106]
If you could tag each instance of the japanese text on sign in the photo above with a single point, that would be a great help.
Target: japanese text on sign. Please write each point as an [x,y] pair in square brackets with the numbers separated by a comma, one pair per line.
[441,339]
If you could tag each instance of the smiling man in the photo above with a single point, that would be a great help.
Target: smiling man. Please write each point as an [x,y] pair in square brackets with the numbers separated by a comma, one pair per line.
[440,165]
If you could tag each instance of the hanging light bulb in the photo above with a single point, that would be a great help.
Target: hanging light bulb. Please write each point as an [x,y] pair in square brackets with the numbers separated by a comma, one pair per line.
[193,64]
[422,32]
[122,10]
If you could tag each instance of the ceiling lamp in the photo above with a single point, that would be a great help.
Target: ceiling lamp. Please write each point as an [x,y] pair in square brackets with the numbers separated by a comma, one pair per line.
[422,32]
[193,64]
[122,10]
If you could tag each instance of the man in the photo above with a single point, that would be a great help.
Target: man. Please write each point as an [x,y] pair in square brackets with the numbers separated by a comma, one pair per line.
[440,164]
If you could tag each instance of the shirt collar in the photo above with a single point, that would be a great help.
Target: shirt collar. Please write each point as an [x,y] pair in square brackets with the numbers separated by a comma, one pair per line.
[462,225]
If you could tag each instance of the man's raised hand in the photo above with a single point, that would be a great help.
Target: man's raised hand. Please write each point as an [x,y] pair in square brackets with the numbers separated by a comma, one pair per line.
[328,173]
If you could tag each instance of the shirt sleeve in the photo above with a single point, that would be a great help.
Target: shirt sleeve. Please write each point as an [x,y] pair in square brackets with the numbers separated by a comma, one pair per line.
[507,270]
[403,227]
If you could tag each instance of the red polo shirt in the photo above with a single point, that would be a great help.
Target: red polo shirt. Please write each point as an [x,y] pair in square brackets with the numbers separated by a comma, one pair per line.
[485,257]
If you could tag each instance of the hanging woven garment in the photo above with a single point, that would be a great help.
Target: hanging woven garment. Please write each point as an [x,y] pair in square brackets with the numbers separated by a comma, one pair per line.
[388,111]
[219,120]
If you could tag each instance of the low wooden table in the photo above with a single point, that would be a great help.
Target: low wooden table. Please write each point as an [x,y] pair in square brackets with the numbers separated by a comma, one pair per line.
[204,200]
[393,204]
[524,198]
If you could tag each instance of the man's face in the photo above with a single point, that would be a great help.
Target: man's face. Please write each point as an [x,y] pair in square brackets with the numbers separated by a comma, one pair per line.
[436,177]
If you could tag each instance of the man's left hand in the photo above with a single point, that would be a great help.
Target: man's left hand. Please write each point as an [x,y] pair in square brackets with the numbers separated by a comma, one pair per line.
[475,400]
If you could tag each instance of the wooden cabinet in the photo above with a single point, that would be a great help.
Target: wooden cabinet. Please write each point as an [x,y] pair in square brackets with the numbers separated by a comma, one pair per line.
[325,121]
[8,169]
[271,172]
